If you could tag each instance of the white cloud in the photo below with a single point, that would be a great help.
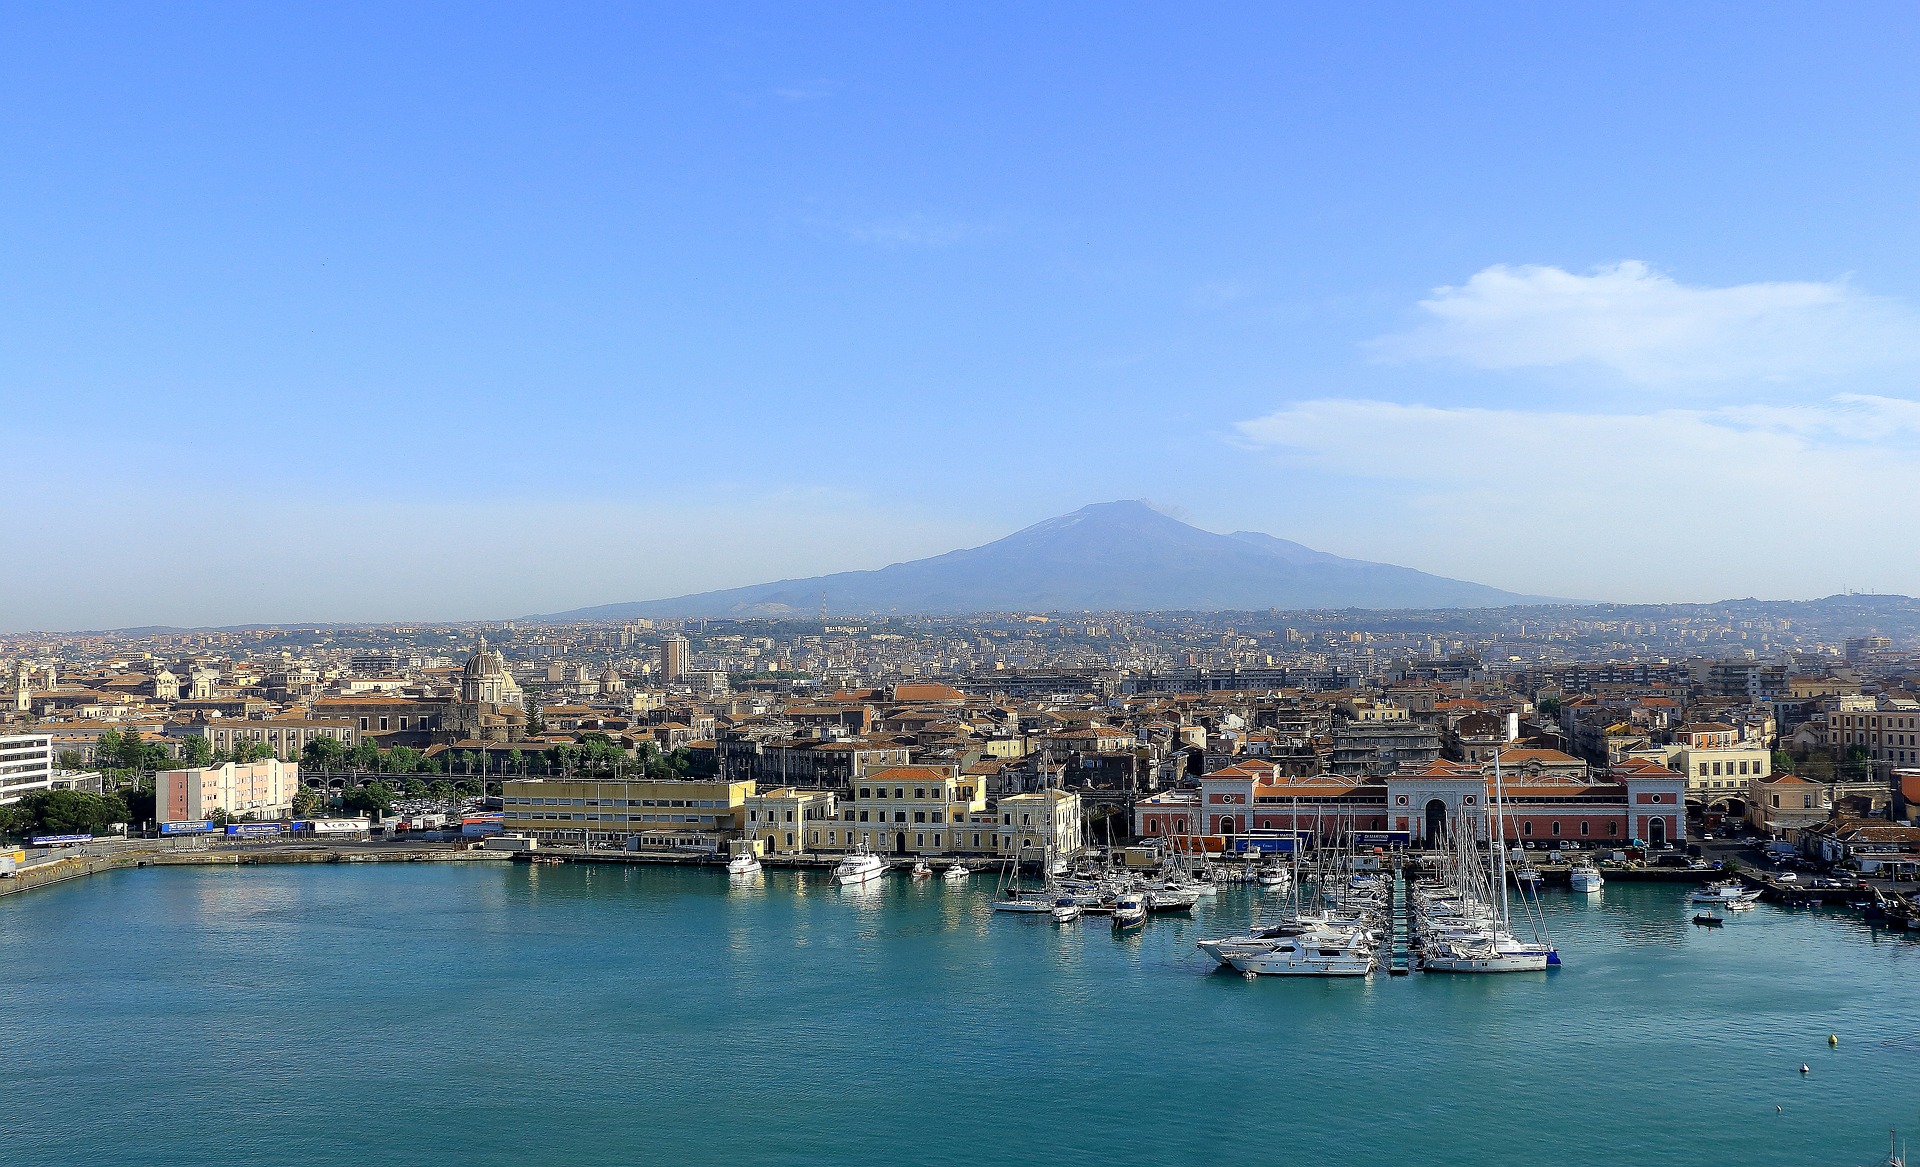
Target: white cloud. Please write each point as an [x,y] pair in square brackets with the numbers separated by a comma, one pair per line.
[1668,504]
[916,230]
[1656,332]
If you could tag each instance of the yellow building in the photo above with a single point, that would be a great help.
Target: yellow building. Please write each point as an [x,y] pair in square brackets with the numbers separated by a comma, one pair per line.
[584,811]
[906,810]
[1030,824]
[786,821]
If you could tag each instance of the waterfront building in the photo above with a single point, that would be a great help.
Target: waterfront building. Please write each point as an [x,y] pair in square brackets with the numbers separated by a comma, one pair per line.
[591,810]
[1719,765]
[788,821]
[1785,802]
[26,765]
[907,810]
[261,790]
[1171,812]
[1888,728]
[1039,821]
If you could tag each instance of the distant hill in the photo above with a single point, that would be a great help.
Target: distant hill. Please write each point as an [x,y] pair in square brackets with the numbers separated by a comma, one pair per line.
[1114,556]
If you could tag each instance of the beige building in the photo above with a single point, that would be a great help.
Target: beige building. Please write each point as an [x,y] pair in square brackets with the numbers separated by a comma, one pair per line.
[787,821]
[257,790]
[287,736]
[1786,802]
[907,810]
[1888,728]
[1045,820]
[1717,763]
[595,811]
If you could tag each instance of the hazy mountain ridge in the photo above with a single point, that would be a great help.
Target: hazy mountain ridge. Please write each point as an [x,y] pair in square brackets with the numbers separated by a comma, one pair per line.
[1117,556]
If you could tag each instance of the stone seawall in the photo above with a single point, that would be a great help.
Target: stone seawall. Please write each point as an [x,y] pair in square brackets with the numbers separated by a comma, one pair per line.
[60,870]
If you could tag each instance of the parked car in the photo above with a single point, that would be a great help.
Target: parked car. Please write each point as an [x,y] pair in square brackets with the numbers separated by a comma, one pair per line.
[1787,877]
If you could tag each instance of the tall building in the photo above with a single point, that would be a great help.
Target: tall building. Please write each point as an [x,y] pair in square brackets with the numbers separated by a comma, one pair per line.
[673,657]
[26,765]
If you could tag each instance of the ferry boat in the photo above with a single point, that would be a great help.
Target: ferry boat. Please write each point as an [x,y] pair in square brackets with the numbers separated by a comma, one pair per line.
[1726,892]
[745,863]
[1586,877]
[859,867]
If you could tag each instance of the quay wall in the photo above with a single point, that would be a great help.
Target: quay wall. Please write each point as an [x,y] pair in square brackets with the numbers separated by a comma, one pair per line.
[52,871]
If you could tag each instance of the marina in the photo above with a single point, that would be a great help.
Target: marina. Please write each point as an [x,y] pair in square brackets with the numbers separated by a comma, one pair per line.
[650,982]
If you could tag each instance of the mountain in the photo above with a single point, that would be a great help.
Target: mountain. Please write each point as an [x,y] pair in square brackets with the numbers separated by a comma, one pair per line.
[1114,556]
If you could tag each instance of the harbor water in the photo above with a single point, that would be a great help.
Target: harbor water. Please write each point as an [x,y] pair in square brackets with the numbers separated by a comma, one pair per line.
[482,1014]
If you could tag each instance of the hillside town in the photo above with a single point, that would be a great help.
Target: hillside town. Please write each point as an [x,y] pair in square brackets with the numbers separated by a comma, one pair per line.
[986,736]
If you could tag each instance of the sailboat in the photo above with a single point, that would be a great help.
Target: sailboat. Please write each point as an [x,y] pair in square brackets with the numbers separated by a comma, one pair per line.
[1481,939]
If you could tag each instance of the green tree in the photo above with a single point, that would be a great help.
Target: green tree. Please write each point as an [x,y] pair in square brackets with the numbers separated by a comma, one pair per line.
[324,753]
[1550,707]
[141,806]
[71,760]
[414,787]
[374,798]
[1817,768]
[106,749]
[441,791]
[536,724]
[366,755]
[516,761]
[1782,762]
[196,751]
[402,760]
[72,812]
[305,802]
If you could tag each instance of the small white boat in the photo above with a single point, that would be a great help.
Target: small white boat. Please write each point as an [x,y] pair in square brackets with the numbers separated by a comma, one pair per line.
[1065,910]
[1129,911]
[1726,892]
[957,871]
[921,870]
[1272,875]
[858,867]
[745,863]
[1586,877]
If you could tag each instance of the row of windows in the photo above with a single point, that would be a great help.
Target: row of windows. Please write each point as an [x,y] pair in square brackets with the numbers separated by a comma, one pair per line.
[619,818]
[920,792]
[1758,768]
[703,803]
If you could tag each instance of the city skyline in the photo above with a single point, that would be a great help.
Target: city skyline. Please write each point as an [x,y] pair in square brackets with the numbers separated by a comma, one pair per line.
[427,316]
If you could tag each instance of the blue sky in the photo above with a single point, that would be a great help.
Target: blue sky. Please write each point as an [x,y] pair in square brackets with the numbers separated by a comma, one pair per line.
[407,311]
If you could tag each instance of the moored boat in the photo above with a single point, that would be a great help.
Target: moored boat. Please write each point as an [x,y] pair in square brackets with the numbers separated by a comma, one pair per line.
[745,863]
[1587,878]
[859,867]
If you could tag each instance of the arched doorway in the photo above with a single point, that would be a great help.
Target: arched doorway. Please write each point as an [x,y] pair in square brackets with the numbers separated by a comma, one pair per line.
[1657,832]
[1436,820]
[900,843]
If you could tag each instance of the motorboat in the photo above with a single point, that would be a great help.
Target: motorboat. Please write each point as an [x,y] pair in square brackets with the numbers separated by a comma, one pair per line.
[1727,891]
[1586,877]
[745,863]
[1305,956]
[1171,899]
[1708,920]
[1129,911]
[1272,875]
[859,867]
[921,870]
[1065,910]
[957,871]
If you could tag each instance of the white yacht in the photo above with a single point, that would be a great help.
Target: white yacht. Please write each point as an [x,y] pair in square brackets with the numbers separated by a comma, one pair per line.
[1304,956]
[859,867]
[957,871]
[745,863]
[1726,892]
[1032,902]
[1065,910]
[921,870]
[1272,875]
[1587,877]
[1129,911]
[1483,956]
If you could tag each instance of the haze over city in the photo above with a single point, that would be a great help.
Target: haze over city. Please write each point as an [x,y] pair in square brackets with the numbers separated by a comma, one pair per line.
[363,313]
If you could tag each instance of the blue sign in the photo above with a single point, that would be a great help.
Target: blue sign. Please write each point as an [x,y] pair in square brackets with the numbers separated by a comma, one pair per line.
[59,840]
[194,828]
[1269,846]
[1383,838]
[257,829]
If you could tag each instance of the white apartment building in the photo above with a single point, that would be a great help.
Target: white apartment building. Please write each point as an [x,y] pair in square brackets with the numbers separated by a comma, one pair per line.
[26,765]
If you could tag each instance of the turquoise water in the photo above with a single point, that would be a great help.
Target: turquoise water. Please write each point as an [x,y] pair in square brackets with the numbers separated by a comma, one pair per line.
[420,1012]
